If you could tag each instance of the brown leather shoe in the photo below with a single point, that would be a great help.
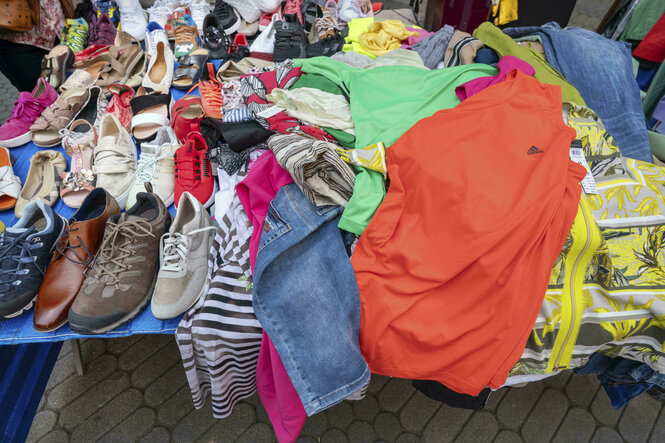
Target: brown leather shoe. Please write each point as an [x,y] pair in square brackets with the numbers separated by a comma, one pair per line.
[75,251]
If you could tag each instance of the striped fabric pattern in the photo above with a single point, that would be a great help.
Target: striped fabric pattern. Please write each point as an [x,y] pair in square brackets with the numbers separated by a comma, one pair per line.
[237,115]
[220,337]
[456,59]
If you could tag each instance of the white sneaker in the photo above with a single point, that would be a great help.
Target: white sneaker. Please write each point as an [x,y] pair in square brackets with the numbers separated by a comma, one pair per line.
[183,260]
[349,9]
[115,159]
[132,18]
[156,166]
[265,42]
[199,9]
[159,13]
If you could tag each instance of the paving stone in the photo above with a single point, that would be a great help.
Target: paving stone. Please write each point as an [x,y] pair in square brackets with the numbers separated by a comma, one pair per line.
[395,394]
[638,418]
[482,426]
[340,416]
[602,409]
[306,440]
[42,403]
[658,433]
[387,427]
[175,407]
[159,363]
[376,383]
[62,370]
[57,436]
[119,345]
[165,386]
[606,435]
[42,424]
[87,404]
[366,409]
[258,433]
[508,437]
[195,423]
[315,425]
[417,412]
[495,399]
[139,423]
[545,417]
[360,432]
[262,415]
[254,400]
[408,438]
[517,404]
[558,381]
[156,435]
[92,348]
[334,436]
[578,426]
[105,419]
[233,426]
[142,350]
[581,389]
[76,385]
[446,424]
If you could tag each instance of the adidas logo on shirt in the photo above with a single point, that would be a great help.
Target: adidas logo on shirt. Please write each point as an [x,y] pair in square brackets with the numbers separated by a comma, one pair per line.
[534,150]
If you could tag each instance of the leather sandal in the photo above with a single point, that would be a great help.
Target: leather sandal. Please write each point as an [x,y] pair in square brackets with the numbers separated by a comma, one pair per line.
[56,63]
[190,68]
[45,130]
[79,181]
[151,111]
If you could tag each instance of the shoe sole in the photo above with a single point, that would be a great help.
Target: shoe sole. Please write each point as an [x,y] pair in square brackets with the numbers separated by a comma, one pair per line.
[211,200]
[17,141]
[32,302]
[136,311]
[233,28]
[54,328]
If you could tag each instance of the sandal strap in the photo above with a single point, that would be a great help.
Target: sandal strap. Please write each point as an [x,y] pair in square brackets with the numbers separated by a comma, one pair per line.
[149,118]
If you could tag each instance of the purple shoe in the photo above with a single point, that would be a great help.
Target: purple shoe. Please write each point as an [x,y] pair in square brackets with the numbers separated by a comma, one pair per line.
[29,106]
[102,31]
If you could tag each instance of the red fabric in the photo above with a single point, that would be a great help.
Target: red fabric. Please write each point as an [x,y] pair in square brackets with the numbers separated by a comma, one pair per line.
[453,268]
[652,48]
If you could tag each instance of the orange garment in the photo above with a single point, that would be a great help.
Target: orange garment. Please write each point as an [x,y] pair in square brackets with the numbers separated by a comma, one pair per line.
[453,268]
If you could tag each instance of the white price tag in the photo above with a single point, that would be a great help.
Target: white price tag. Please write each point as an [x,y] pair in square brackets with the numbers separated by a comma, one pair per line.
[588,183]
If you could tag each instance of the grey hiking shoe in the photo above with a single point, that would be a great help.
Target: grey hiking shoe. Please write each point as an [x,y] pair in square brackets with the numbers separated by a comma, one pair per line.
[121,279]
[183,260]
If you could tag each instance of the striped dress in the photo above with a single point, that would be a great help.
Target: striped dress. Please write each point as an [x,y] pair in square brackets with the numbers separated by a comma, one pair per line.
[219,338]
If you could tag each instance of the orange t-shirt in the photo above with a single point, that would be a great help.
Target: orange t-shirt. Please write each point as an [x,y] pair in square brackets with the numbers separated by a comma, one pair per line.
[453,268]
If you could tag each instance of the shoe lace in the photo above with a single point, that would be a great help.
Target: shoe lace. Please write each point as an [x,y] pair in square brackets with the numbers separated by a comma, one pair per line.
[185,32]
[191,168]
[174,247]
[64,245]
[131,19]
[147,165]
[24,103]
[18,250]
[115,248]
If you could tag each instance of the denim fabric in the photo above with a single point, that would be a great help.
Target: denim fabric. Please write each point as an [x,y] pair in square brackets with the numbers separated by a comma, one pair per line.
[621,378]
[602,71]
[306,298]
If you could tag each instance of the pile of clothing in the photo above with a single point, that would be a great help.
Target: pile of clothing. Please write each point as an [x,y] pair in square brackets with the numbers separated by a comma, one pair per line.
[468,211]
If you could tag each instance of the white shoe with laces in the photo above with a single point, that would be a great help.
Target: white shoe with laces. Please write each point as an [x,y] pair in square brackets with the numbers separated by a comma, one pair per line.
[159,12]
[349,9]
[183,260]
[132,18]
[156,165]
[199,9]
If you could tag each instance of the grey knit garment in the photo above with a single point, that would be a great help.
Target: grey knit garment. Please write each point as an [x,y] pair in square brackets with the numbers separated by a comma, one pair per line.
[432,49]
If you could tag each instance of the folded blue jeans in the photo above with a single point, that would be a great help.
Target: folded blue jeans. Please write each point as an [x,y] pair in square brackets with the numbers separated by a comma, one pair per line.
[602,71]
[306,298]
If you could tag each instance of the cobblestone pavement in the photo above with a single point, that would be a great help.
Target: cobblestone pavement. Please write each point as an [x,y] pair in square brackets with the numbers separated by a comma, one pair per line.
[135,389]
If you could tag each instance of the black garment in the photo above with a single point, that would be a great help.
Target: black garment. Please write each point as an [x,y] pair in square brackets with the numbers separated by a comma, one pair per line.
[236,136]
[437,391]
[21,64]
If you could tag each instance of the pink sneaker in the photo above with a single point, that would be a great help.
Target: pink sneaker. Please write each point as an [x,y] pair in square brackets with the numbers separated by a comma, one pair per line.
[30,105]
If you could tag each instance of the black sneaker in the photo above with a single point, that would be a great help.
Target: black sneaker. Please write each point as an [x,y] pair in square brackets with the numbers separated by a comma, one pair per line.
[228,18]
[290,39]
[25,251]
[214,38]
[328,46]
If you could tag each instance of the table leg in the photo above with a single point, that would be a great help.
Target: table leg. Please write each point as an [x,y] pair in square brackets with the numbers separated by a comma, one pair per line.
[78,357]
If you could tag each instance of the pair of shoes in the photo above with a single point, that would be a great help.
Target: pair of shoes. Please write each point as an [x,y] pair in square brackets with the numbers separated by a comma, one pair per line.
[27,108]
[186,37]
[132,18]
[159,74]
[108,8]
[193,173]
[56,63]
[290,39]
[326,46]
[75,34]
[102,31]
[43,180]
[159,13]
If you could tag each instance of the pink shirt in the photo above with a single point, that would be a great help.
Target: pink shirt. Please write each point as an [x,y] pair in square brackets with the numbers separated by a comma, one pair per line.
[273,384]
[507,64]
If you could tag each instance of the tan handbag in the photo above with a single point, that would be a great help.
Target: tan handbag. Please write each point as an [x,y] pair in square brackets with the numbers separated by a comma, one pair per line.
[19,15]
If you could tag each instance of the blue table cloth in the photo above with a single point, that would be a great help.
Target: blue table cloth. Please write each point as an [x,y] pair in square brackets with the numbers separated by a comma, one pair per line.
[20,329]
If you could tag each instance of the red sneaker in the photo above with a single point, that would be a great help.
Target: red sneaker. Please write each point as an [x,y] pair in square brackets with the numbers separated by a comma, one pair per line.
[186,116]
[192,171]
[240,40]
